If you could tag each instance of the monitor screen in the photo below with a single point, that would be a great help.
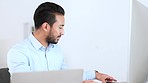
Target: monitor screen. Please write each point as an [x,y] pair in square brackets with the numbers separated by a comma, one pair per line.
[138,63]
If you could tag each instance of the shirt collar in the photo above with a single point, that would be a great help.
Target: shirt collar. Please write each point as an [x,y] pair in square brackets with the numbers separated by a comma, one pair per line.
[35,42]
[37,45]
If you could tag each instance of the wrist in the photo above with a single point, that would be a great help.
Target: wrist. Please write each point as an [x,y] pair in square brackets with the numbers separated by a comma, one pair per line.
[98,75]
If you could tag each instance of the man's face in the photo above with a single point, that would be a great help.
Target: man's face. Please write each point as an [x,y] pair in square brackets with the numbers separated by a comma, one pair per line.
[56,31]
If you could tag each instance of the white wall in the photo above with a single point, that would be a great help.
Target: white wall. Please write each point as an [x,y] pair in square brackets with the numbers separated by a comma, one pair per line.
[97,36]
[10,28]
[96,32]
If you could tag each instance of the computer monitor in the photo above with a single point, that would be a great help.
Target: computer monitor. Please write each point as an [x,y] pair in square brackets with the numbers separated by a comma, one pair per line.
[138,62]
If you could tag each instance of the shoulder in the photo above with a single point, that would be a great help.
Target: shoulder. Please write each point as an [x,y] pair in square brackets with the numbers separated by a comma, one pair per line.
[19,47]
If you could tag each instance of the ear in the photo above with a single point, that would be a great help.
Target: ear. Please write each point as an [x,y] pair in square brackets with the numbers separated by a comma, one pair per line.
[46,26]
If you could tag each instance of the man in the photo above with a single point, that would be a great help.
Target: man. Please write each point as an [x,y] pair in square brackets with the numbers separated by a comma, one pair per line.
[40,51]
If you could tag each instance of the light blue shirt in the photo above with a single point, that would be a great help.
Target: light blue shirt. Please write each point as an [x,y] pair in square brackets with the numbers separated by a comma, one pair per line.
[31,55]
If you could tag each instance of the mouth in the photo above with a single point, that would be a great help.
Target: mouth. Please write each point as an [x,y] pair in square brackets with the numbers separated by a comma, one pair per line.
[59,37]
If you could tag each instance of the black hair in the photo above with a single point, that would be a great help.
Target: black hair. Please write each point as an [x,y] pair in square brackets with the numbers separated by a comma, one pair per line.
[46,13]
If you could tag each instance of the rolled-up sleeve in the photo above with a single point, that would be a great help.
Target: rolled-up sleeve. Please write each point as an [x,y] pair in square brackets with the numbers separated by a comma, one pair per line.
[89,75]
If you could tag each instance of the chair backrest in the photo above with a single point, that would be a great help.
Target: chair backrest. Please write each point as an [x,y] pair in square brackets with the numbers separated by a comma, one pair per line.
[4,75]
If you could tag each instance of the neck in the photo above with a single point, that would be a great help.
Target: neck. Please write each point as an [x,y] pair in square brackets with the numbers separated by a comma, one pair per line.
[41,38]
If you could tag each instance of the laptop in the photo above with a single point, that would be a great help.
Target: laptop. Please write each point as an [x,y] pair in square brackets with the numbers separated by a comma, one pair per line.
[58,76]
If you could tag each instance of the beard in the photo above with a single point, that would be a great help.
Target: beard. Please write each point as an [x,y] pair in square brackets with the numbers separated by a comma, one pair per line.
[52,40]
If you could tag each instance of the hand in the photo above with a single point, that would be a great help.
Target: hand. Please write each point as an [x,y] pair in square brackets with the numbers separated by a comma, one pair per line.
[104,77]
[88,81]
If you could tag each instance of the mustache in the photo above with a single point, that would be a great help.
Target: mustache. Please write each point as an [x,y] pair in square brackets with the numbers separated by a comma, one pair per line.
[59,36]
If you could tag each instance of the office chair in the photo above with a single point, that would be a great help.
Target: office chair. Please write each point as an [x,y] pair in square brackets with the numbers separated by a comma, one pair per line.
[4,75]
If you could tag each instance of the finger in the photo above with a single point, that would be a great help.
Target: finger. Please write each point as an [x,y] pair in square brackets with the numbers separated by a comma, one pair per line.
[111,78]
